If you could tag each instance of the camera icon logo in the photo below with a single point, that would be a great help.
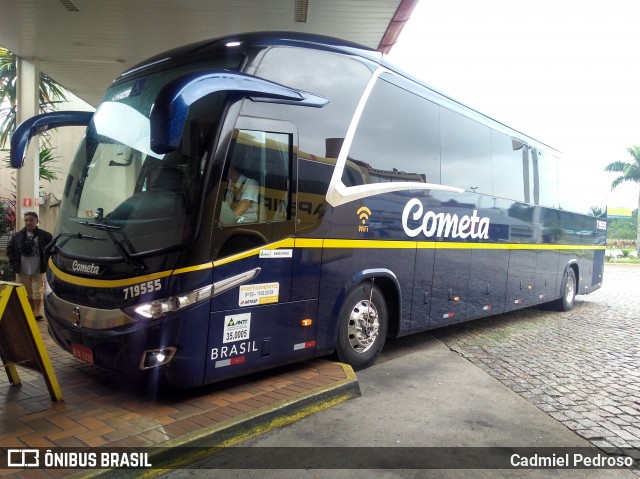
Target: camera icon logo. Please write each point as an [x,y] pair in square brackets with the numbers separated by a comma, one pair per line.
[23,458]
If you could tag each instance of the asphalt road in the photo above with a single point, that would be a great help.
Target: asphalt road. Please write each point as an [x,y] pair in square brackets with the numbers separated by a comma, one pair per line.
[532,378]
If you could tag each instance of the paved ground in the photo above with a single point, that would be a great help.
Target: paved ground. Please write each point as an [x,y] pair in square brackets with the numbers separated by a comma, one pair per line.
[545,371]
[571,380]
[580,367]
[100,409]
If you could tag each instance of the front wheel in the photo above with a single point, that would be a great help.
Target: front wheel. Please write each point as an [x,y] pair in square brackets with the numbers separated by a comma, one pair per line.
[363,326]
[565,303]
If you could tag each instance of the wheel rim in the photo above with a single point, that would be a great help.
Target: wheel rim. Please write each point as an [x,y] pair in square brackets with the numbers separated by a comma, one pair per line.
[569,290]
[363,326]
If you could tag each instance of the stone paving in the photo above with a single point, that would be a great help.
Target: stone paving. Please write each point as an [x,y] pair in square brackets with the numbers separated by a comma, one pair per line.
[581,367]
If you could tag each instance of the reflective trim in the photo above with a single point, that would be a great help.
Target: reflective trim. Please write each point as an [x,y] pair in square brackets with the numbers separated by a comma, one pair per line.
[339,194]
[221,286]
[90,318]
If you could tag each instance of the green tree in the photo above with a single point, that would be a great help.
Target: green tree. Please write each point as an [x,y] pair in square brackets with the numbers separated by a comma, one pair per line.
[50,93]
[630,171]
[622,228]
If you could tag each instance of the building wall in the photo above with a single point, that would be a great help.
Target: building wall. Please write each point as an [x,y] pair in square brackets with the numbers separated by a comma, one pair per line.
[64,142]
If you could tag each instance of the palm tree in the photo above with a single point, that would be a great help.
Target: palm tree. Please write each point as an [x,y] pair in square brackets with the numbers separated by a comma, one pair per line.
[51,92]
[630,172]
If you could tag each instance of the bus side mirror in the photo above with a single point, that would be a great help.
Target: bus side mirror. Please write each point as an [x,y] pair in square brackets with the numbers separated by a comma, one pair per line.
[37,125]
[171,106]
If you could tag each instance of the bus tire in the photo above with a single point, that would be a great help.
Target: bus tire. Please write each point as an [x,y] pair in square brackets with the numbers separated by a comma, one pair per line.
[363,327]
[566,301]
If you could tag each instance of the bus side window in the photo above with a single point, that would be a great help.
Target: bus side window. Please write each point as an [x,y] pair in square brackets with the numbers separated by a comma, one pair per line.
[257,181]
[508,169]
[313,182]
[397,128]
[466,152]
[256,193]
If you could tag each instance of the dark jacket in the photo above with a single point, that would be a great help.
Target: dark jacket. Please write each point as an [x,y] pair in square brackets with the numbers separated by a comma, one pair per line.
[14,247]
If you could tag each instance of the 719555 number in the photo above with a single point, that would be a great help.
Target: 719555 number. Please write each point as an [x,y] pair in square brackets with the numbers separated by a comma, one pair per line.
[142,288]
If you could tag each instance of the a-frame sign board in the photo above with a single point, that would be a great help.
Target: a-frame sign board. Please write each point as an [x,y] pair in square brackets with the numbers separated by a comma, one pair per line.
[20,340]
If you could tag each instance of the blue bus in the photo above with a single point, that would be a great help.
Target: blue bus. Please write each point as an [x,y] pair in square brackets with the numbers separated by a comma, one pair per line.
[261,199]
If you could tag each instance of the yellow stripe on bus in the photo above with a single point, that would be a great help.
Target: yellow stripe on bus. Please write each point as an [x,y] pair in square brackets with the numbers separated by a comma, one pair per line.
[375,244]
[311,243]
[286,243]
[104,283]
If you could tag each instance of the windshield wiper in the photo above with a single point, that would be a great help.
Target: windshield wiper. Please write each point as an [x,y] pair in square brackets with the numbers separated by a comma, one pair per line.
[49,247]
[139,266]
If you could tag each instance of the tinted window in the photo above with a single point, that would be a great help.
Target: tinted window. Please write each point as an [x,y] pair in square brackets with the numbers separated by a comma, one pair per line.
[313,182]
[339,78]
[258,178]
[397,138]
[466,153]
[548,178]
[507,169]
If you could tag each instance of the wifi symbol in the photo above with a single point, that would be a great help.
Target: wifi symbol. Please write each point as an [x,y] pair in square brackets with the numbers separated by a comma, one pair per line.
[363,213]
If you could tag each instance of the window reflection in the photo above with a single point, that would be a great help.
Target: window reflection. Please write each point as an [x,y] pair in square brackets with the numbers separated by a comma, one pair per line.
[466,153]
[397,137]
[257,188]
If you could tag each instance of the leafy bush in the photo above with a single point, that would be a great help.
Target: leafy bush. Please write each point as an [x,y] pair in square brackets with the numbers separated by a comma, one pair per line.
[5,224]
[6,272]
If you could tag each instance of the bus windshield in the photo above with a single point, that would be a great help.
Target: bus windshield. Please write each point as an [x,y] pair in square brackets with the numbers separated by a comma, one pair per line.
[120,197]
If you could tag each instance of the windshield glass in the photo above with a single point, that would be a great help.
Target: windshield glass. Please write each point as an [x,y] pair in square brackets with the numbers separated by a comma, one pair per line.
[121,198]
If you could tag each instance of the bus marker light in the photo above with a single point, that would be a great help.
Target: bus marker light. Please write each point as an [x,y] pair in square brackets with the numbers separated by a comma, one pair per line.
[456,298]
[229,362]
[306,322]
[487,307]
[447,315]
[518,301]
[308,344]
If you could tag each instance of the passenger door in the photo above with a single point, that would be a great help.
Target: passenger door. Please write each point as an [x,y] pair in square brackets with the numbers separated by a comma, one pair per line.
[253,325]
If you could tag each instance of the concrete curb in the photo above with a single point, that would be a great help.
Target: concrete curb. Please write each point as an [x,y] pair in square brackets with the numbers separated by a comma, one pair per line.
[189,448]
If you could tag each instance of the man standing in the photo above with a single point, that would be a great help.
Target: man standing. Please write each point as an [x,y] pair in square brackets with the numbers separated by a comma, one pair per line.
[26,255]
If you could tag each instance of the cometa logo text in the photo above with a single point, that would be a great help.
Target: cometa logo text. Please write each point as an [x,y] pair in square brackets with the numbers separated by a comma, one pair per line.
[85,268]
[443,225]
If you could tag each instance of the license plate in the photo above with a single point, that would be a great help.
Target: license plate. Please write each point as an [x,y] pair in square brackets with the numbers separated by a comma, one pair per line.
[83,354]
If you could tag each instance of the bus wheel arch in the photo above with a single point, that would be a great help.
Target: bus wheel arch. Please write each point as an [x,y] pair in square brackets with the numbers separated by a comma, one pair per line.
[569,287]
[364,320]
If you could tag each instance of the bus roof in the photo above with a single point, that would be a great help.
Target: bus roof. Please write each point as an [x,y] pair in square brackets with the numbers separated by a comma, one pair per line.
[258,39]
[319,42]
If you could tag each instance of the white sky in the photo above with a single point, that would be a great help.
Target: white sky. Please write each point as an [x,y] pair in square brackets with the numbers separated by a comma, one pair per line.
[565,72]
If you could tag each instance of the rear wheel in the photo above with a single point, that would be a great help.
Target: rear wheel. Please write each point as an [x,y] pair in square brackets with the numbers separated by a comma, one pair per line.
[565,303]
[363,326]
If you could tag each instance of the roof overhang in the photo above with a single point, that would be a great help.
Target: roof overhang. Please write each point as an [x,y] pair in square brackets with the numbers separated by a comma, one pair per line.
[84,44]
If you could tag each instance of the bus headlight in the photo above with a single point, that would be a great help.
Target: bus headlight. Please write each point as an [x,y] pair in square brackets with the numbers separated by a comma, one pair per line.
[160,307]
